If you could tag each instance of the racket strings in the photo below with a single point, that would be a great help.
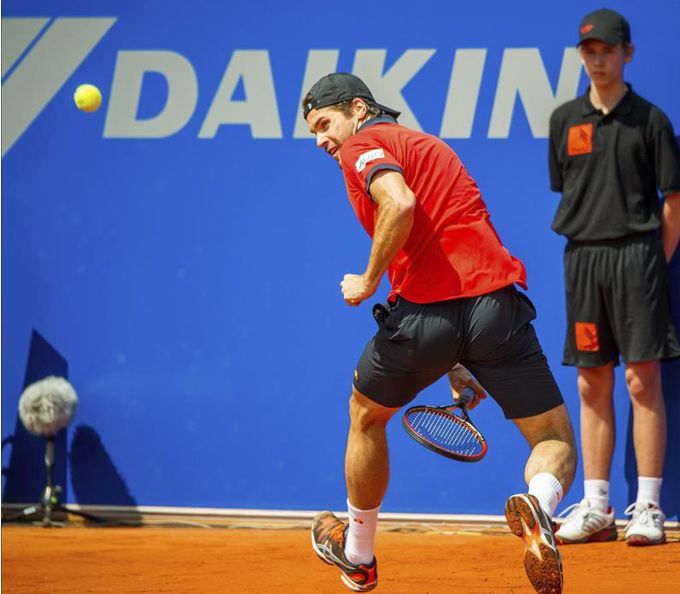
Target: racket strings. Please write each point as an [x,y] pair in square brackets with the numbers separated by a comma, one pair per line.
[446,431]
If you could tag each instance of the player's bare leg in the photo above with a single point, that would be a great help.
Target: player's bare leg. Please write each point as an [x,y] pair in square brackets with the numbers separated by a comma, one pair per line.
[649,438]
[549,472]
[551,440]
[367,458]
[350,547]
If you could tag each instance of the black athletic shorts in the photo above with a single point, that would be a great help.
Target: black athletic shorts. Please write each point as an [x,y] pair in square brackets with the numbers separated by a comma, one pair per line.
[491,335]
[618,302]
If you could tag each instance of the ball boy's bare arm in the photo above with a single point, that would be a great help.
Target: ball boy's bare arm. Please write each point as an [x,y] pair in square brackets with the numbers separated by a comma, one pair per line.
[670,225]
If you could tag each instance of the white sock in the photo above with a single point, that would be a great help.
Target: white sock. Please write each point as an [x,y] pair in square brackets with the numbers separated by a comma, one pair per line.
[649,490]
[363,524]
[548,490]
[596,491]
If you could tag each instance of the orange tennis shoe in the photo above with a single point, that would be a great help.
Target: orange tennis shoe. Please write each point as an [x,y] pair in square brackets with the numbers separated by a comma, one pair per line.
[542,562]
[328,542]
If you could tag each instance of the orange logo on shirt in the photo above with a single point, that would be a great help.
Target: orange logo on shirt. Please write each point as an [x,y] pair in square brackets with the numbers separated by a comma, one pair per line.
[580,140]
[586,337]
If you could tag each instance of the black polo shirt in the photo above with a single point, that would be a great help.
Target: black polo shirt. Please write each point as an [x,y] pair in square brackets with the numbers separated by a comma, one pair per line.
[609,167]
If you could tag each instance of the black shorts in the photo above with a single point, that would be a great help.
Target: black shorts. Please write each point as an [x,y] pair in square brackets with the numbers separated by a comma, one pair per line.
[491,335]
[618,302]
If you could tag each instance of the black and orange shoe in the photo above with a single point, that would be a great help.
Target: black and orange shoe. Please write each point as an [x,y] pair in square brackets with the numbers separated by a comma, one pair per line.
[542,562]
[328,542]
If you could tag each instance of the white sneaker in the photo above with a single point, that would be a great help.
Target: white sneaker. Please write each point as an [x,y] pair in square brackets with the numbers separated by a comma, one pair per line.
[586,524]
[646,525]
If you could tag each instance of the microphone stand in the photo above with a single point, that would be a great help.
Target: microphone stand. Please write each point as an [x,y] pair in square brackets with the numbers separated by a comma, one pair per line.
[49,501]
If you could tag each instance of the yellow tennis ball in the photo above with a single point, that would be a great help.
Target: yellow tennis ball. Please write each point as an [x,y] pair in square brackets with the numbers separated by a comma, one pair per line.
[87,98]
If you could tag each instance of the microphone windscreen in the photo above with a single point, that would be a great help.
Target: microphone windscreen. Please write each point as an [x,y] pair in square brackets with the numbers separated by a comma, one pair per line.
[48,405]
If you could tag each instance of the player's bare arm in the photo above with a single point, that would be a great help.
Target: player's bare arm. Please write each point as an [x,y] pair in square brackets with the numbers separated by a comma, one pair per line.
[396,203]
[670,225]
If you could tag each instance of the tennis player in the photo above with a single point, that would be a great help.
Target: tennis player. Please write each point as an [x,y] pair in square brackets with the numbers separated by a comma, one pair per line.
[611,152]
[452,307]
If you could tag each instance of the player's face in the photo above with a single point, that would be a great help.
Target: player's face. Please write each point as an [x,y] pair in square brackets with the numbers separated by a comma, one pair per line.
[332,128]
[604,62]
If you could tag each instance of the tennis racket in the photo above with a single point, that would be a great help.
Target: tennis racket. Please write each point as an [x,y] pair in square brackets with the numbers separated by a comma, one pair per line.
[443,432]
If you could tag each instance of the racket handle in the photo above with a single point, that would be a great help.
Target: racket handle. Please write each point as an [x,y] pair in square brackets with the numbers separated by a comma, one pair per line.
[467,395]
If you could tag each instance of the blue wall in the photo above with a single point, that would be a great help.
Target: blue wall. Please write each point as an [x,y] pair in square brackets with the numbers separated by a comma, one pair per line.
[181,248]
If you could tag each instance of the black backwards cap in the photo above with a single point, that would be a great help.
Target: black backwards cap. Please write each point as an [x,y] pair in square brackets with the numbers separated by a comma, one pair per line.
[604,25]
[337,87]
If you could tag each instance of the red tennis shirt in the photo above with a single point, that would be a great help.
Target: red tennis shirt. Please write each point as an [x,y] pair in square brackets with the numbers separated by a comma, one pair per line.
[453,250]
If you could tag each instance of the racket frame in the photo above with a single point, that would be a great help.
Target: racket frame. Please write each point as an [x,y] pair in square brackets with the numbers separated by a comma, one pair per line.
[447,411]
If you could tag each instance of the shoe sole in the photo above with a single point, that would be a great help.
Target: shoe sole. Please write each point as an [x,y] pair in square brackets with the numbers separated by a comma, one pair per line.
[639,540]
[345,580]
[605,535]
[541,561]
[352,586]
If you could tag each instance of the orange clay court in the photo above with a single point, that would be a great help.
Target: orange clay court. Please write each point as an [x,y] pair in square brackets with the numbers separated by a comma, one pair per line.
[160,560]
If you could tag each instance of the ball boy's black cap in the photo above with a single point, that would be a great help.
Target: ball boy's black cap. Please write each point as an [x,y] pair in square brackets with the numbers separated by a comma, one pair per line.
[340,86]
[604,25]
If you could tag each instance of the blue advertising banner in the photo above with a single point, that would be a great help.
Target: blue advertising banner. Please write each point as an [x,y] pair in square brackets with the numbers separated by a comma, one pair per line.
[181,248]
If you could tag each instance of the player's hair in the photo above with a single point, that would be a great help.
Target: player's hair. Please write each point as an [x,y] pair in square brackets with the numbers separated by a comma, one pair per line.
[346,106]
[371,108]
